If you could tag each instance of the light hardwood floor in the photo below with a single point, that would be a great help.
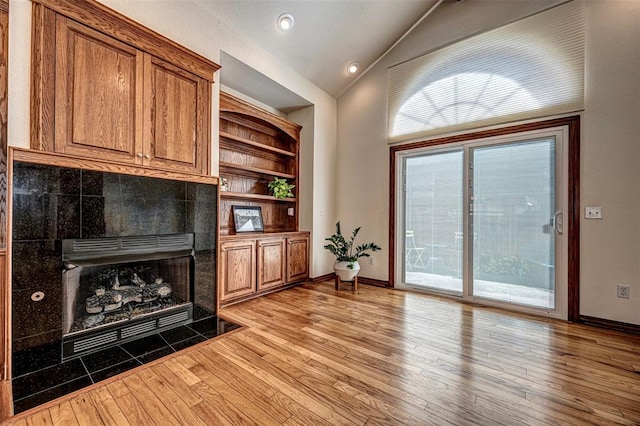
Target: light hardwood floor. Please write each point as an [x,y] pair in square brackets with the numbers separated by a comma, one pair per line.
[314,356]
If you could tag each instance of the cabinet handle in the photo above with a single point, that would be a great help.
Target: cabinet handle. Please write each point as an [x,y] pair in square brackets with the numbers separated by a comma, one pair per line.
[140,154]
[147,156]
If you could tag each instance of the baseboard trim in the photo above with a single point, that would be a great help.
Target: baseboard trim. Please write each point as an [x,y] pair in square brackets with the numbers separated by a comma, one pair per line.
[374,282]
[322,278]
[610,324]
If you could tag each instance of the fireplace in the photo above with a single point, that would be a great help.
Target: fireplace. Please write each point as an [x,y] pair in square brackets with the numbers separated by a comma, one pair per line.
[109,271]
[116,289]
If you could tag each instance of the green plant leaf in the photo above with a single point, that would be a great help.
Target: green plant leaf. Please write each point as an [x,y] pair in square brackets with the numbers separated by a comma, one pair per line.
[280,188]
[342,249]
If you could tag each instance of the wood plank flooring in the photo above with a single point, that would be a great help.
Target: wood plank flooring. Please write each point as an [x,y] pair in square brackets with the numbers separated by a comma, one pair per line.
[313,356]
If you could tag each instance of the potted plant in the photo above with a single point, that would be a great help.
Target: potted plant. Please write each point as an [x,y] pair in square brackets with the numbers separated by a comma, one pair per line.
[346,265]
[280,188]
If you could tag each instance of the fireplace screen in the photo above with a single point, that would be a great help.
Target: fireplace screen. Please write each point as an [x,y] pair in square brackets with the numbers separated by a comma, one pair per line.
[115,288]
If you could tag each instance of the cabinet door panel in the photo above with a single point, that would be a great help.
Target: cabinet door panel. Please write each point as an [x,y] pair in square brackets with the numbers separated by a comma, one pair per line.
[176,105]
[271,263]
[297,259]
[98,94]
[237,269]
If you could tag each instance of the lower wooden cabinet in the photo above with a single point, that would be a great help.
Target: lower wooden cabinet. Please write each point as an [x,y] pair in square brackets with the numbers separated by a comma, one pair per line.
[297,258]
[271,265]
[254,265]
[238,269]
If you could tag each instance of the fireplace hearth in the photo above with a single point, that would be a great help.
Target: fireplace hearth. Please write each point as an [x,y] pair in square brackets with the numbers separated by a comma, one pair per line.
[115,289]
[109,271]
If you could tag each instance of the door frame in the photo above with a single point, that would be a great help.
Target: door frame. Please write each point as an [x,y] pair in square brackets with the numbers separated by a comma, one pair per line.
[571,218]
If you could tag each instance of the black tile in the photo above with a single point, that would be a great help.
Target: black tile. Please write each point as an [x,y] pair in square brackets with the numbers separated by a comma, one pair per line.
[145,345]
[152,356]
[225,326]
[48,378]
[92,183]
[93,217]
[202,312]
[68,181]
[33,178]
[105,358]
[205,216]
[36,263]
[114,370]
[178,334]
[144,214]
[205,241]
[201,192]
[52,393]
[187,343]
[30,216]
[130,185]
[207,327]
[30,318]
[35,358]
[67,208]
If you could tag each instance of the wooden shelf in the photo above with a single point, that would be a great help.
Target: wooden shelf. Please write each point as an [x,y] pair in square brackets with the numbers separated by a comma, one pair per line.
[257,144]
[231,166]
[240,195]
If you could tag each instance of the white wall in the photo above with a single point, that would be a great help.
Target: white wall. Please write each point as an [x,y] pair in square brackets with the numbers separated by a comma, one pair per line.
[610,150]
[187,24]
[610,157]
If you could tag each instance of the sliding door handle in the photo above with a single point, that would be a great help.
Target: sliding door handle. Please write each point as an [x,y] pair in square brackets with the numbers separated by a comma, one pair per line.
[557,222]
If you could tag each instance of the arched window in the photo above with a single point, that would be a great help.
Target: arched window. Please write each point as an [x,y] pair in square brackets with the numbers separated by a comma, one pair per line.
[462,98]
[527,69]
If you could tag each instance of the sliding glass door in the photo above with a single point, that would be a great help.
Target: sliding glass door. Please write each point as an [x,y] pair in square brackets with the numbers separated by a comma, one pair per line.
[433,220]
[483,221]
[513,206]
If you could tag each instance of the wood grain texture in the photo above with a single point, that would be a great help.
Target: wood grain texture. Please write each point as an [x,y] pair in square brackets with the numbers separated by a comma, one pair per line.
[6,403]
[271,263]
[62,160]
[98,93]
[573,185]
[43,63]
[176,113]
[256,146]
[313,356]
[4,289]
[237,269]
[282,261]
[114,24]
[5,307]
[229,103]
[297,258]
[4,90]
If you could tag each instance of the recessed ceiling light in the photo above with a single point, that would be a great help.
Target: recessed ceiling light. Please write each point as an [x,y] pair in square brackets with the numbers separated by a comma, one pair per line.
[285,22]
[353,68]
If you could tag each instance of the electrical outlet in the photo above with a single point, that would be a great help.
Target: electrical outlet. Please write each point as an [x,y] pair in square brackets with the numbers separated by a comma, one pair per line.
[370,260]
[624,291]
[593,212]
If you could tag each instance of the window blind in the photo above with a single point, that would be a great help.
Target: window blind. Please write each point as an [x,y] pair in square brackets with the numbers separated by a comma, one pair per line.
[530,68]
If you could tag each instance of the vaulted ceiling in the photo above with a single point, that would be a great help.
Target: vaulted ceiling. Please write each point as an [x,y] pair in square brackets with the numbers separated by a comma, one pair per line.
[328,35]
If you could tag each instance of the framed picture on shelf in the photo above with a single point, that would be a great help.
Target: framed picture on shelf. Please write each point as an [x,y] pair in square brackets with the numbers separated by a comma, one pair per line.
[248,219]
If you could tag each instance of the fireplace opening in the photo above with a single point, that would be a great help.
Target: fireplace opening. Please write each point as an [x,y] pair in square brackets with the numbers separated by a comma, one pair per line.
[118,289]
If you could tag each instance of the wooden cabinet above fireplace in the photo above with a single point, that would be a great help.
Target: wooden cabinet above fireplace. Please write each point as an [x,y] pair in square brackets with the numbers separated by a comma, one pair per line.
[105,87]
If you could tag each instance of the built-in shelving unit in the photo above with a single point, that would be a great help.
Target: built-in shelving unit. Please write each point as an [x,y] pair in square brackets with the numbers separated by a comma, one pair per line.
[255,147]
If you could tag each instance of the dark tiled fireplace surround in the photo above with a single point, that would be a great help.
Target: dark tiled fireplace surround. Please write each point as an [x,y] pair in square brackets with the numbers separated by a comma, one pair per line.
[52,204]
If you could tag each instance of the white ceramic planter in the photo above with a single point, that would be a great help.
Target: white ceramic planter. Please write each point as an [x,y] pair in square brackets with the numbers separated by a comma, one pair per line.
[344,272]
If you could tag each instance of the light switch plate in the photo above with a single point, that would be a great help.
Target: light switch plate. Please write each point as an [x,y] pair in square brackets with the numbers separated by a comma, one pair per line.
[593,212]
